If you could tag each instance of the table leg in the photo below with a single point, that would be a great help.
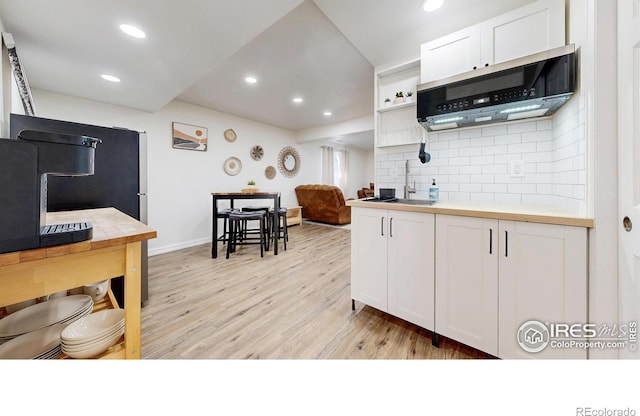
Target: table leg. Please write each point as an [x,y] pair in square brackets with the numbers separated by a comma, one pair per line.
[214,236]
[132,287]
[276,221]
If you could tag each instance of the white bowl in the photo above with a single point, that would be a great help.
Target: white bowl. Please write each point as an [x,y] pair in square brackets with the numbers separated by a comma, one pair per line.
[94,349]
[79,342]
[97,290]
[96,324]
[93,343]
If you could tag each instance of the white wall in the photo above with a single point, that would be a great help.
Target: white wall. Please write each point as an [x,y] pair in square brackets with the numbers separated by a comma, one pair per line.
[181,181]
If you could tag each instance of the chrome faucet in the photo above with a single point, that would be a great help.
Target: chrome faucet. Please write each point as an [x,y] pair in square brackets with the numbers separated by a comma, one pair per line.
[408,190]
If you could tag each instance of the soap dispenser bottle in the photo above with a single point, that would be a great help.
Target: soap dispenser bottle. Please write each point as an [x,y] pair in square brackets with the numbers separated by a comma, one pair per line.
[434,191]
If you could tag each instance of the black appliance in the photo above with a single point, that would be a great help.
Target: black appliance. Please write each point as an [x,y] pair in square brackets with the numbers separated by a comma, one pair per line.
[119,178]
[532,86]
[25,164]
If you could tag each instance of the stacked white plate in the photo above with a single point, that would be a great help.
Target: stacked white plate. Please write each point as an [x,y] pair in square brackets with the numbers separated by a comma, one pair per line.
[94,334]
[41,315]
[41,344]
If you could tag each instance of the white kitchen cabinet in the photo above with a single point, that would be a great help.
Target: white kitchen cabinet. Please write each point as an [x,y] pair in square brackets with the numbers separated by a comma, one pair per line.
[542,277]
[451,54]
[467,281]
[533,28]
[392,263]
[494,275]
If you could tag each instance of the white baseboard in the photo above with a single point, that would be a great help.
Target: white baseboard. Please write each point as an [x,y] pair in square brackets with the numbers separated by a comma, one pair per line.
[178,246]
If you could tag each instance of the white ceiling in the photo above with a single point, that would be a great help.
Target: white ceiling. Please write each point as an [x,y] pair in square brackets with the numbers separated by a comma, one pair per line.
[199,51]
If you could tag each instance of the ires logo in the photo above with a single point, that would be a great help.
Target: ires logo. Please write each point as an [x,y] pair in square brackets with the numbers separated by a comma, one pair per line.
[534,336]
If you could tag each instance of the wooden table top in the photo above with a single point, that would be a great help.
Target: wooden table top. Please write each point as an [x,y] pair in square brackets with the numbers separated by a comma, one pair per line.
[110,228]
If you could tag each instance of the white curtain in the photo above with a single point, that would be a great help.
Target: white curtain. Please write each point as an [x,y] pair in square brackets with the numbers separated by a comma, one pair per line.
[327,165]
[341,170]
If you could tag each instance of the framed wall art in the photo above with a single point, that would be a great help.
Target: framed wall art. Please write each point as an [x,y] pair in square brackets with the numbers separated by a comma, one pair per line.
[186,136]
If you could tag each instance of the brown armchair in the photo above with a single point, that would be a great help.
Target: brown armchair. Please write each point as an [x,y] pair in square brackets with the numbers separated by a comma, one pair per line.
[323,203]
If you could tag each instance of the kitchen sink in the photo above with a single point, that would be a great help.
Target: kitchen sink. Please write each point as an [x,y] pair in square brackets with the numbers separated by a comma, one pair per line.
[414,201]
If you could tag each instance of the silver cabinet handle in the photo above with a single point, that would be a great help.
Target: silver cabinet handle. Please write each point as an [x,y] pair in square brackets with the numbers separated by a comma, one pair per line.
[391,227]
[382,226]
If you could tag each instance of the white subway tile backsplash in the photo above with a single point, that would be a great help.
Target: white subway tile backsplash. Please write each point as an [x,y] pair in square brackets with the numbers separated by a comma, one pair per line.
[494,188]
[471,169]
[470,151]
[508,139]
[470,133]
[459,161]
[521,127]
[470,187]
[521,148]
[494,150]
[508,199]
[501,169]
[516,188]
[494,130]
[482,179]
[473,164]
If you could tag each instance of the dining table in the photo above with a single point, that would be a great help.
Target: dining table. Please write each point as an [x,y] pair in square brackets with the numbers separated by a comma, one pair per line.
[232,197]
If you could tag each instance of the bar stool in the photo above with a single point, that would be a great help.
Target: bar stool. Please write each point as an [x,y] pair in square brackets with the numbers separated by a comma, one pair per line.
[236,237]
[224,214]
[246,231]
[284,233]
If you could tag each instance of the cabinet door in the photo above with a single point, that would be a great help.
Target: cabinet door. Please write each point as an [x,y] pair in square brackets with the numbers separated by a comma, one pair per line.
[530,29]
[542,277]
[369,256]
[411,267]
[452,54]
[467,281]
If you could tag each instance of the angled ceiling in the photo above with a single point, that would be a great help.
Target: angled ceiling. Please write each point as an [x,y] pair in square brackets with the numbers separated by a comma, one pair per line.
[199,51]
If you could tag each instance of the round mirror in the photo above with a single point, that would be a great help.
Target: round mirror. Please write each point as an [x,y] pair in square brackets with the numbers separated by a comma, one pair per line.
[289,161]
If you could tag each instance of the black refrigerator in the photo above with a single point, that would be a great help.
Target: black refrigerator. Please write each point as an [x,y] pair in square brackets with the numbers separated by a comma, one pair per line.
[119,178]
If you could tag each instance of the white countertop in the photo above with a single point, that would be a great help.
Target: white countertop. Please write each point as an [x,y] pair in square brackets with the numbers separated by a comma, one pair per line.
[484,210]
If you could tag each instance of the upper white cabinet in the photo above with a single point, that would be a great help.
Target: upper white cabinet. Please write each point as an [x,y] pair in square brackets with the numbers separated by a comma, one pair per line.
[530,29]
[392,254]
[451,54]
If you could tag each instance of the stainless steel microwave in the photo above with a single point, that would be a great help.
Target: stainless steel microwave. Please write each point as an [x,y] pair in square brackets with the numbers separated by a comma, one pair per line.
[532,86]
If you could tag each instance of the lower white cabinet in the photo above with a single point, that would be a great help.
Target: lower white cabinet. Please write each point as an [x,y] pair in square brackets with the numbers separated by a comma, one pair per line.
[467,281]
[494,275]
[392,262]
[542,277]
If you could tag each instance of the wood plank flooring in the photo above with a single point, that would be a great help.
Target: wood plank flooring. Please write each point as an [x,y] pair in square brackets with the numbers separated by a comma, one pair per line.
[296,305]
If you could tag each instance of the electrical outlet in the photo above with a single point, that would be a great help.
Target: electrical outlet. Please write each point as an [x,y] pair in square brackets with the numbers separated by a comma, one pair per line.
[516,169]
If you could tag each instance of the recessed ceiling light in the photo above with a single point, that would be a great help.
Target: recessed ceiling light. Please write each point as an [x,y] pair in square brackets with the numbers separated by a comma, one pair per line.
[431,5]
[110,78]
[297,100]
[251,80]
[327,113]
[133,31]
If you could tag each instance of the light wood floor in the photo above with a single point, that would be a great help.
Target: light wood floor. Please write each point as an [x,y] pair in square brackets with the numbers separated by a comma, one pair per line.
[296,305]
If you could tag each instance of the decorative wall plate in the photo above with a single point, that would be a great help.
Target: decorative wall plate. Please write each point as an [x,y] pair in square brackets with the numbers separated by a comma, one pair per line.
[232,166]
[230,135]
[289,162]
[270,172]
[257,152]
